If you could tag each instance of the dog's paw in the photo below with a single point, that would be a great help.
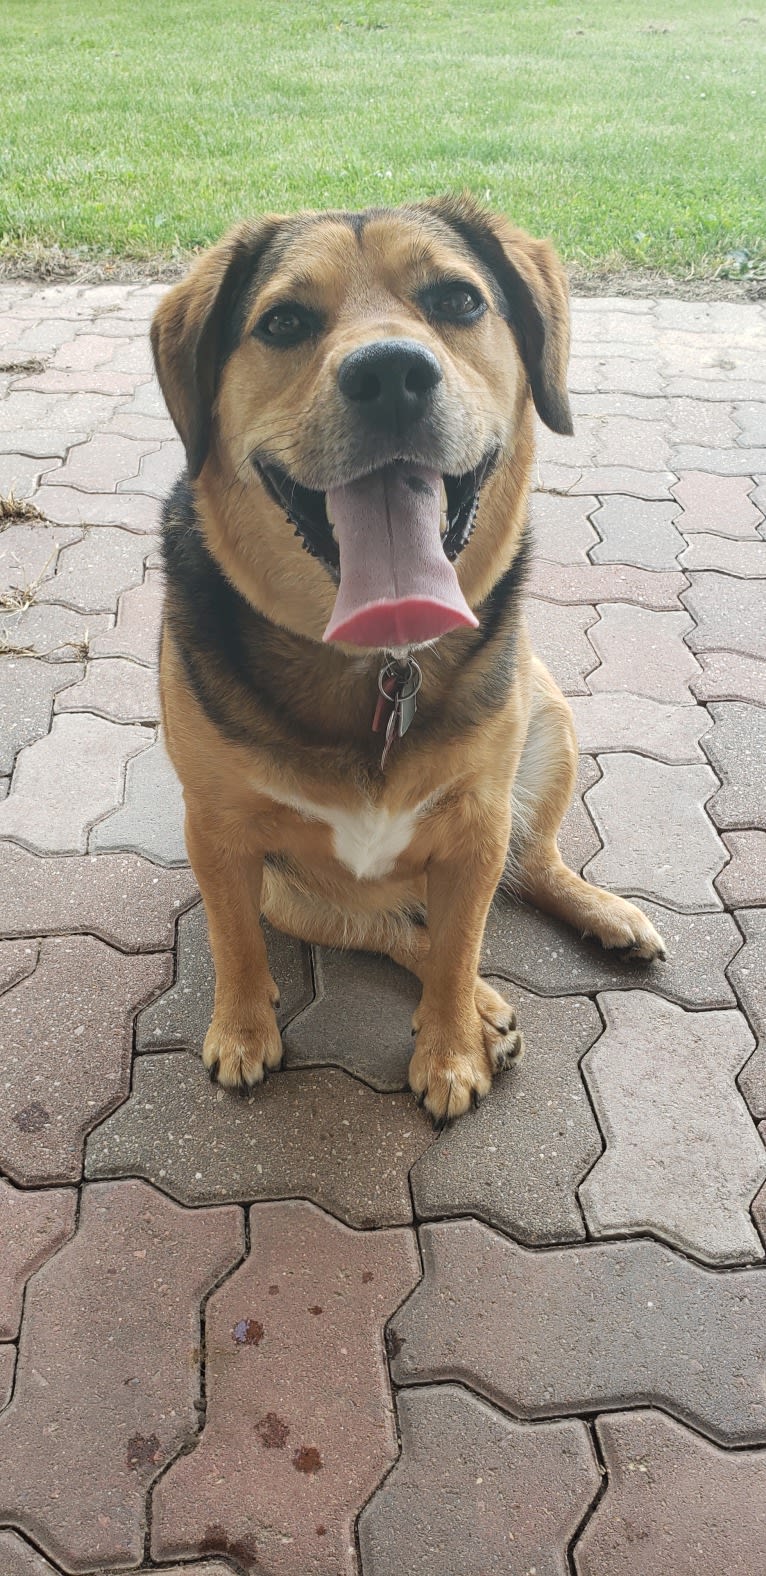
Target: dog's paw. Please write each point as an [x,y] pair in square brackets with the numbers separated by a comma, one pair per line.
[621,926]
[237,1055]
[452,1068]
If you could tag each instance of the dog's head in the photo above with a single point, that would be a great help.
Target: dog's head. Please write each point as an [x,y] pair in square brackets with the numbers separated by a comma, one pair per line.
[369,372]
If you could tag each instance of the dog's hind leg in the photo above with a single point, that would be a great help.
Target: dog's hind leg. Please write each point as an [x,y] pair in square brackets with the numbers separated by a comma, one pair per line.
[541,793]
[394,934]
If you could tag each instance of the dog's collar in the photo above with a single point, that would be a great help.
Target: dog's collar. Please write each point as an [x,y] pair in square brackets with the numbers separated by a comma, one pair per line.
[398,684]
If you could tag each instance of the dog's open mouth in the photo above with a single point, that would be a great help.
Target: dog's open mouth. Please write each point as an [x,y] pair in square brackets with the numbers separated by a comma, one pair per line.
[381,537]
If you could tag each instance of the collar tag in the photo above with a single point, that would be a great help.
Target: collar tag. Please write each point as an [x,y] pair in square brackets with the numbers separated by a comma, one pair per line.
[398,685]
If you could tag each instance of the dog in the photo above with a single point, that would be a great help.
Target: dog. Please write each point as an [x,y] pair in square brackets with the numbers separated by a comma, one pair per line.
[366,743]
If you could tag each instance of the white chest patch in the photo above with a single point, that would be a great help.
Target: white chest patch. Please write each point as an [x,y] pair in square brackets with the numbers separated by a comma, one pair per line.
[368,840]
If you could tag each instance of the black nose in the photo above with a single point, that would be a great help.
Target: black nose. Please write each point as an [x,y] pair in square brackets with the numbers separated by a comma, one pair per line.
[391,379]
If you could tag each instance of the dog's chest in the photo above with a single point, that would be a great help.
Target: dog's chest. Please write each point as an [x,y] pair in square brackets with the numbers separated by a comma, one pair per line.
[367,839]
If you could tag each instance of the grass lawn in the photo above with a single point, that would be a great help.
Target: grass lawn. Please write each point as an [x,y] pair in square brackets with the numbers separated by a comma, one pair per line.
[632,131]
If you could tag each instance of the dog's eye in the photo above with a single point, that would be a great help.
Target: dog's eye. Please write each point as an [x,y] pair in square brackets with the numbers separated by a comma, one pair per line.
[285,325]
[455,303]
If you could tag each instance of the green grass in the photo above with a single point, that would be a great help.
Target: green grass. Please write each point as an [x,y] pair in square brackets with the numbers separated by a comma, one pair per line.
[633,133]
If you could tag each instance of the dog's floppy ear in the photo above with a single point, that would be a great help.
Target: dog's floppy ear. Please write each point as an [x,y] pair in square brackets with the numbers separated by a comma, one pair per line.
[191,331]
[535,290]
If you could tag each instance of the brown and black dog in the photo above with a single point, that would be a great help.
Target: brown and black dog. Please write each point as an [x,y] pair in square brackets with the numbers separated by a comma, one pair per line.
[362,385]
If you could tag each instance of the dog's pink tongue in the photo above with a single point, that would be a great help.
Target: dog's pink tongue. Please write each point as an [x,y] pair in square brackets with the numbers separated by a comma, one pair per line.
[396,586]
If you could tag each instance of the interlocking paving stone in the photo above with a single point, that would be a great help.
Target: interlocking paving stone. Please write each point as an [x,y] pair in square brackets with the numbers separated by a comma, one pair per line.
[635,532]
[64,782]
[136,633]
[748,976]
[66,1035]
[643,444]
[578,448]
[742,883]
[158,471]
[85,353]
[736,748]
[28,553]
[32,1227]
[735,461]
[315,1134]
[674,1503]
[7,1372]
[725,553]
[108,1371]
[473,1492]
[27,691]
[91,575]
[708,422]
[561,530]
[727,675]
[635,1323]
[750,416]
[716,503]
[47,631]
[181,1016]
[299,1426]
[578,839]
[63,380]
[20,475]
[360,1020]
[609,722]
[657,838]
[545,955]
[682,1159]
[606,583]
[18,959]
[116,688]
[150,820]
[728,614]
[643,653]
[637,483]
[559,640]
[124,899]
[98,465]
[68,506]
[517,1160]
[621,374]
[18,1558]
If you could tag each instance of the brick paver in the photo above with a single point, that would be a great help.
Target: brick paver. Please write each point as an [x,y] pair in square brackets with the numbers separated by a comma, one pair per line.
[294,1344]
[674,1502]
[143,1425]
[474,1492]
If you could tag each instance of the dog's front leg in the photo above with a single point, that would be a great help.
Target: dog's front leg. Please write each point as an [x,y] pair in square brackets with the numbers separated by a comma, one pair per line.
[243,1038]
[458,1050]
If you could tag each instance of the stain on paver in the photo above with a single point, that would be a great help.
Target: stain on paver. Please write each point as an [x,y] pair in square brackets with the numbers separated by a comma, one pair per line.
[683,1159]
[109,1352]
[180,1018]
[474,1493]
[658,840]
[66,1033]
[323,1378]
[317,1134]
[736,748]
[32,1227]
[122,898]
[65,781]
[673,1503]
[565,1330]
[516,1162]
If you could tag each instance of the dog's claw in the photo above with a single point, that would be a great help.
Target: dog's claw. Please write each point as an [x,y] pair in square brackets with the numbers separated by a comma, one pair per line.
[440,1122]
[212,1072]
[420,1100]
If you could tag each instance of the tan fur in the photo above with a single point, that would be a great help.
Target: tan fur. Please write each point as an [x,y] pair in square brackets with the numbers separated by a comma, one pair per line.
[280,797]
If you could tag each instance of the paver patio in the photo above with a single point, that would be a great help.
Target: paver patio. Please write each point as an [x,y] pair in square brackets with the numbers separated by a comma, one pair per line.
[297,1334]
